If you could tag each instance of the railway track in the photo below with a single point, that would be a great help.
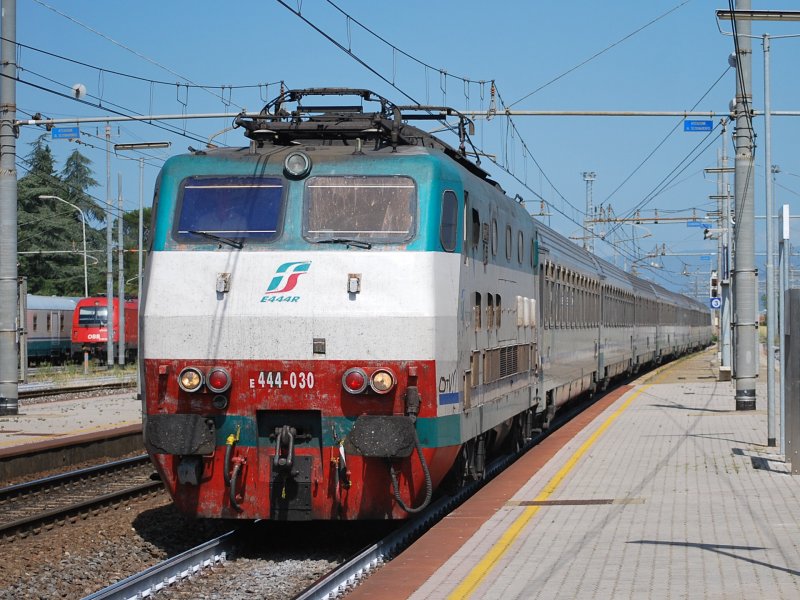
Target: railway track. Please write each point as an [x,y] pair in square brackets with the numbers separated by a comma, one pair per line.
[28,391]
[339,580]
[28,507]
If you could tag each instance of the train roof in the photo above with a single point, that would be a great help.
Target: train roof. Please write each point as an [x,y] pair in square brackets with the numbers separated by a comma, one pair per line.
[50,302]
[350,125]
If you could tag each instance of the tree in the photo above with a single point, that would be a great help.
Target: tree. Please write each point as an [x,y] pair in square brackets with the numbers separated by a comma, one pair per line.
[77,179]
[53,231]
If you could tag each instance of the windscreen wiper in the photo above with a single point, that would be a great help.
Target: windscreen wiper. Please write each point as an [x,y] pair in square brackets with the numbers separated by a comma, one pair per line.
[347,242]
[217,238]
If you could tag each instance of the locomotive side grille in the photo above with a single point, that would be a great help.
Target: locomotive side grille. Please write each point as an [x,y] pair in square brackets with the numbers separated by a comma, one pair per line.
[506,361]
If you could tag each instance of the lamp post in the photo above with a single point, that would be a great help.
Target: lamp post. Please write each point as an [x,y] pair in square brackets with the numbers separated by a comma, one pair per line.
[83,224]
[139,146]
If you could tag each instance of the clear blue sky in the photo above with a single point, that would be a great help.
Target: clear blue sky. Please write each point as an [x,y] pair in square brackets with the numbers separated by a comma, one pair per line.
[671,64]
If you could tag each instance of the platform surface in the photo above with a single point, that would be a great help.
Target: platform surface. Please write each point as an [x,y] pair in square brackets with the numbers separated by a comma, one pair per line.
[669,492]
[38,421]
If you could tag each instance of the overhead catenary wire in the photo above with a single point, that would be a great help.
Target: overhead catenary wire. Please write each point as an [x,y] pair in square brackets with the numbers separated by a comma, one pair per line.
[123,46]
[598,54]
[148,80]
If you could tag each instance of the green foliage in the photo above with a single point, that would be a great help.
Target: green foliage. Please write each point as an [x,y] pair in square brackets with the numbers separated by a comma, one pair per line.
[50,232]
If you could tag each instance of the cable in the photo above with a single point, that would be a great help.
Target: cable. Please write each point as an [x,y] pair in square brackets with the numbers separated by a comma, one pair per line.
[670,177]
[143,79]
[167,128]
[597,54]
[403,52]
[123,46]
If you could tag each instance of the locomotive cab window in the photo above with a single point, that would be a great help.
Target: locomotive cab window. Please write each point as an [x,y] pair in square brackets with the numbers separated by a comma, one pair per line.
[92,316]
[226,209]
[448,227]
[360,208]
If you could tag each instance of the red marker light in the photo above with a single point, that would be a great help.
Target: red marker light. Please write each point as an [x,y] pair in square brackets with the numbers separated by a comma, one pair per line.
[355,380]
[218,380]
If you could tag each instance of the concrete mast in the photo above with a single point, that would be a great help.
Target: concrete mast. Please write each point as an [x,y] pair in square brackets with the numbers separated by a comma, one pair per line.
[9,353]
[744,270]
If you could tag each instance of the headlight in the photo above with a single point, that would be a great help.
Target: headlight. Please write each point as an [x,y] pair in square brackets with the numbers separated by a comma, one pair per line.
[382,381]
[297,165]
[218,380]
[190,379]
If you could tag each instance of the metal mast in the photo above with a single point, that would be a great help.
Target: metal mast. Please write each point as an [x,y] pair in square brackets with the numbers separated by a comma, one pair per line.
[588,220]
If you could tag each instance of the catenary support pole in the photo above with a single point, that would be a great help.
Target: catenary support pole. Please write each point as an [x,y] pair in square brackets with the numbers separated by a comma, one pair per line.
[783,262]
[744,270]
[9,352]
[109,255]
[121,268]
[771,311]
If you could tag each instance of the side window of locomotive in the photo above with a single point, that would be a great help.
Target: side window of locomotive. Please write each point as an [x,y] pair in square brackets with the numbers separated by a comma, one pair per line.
[476,228]
[494,237]
[365,208]
[520,247]
[448,227]
[508,242]
[233,208]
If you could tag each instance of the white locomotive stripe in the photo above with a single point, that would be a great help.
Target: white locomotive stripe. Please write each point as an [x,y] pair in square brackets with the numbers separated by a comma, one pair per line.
[406,309]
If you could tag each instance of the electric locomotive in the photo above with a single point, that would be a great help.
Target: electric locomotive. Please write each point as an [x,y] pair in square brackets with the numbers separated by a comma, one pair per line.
[348,311]
[90,326]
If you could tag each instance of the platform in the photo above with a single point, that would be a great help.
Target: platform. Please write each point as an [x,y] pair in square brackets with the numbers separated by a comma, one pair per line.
[57,420]
[666,491]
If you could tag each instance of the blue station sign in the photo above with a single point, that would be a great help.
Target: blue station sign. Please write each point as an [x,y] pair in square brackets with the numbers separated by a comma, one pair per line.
[65,133]
[698,125]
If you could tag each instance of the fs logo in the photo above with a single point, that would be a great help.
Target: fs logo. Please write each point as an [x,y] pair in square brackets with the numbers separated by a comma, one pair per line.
[284,281]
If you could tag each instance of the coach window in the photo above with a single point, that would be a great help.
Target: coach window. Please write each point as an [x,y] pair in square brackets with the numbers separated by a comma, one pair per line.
[476,311]
[489,311]
[448,228]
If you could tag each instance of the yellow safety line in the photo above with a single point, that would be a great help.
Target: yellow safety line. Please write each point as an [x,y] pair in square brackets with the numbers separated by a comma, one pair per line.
[490,560]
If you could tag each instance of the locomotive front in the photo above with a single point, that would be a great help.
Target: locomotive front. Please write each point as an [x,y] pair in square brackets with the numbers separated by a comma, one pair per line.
[299,310]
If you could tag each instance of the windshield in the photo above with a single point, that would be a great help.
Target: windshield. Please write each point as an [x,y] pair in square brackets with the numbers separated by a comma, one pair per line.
[92,316]
[372,209]
[230,208]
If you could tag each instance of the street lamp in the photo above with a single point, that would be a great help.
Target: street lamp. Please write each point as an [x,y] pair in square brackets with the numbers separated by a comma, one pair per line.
[83,223]
[140,146]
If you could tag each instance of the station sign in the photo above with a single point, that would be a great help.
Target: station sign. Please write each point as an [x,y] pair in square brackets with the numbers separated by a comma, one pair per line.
[65,133]
[698,125]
